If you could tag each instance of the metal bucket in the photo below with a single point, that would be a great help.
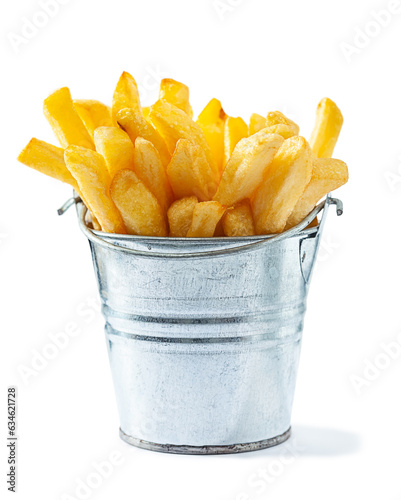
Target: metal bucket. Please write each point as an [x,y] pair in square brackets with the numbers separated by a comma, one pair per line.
[204,335]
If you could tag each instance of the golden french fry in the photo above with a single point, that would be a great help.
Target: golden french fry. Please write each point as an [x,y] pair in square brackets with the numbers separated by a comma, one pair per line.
[94,114]
[329,121]
[47,159]
[286,180]
[180,216]
[176,93]
[173,124]
[145,112]
[247,167]
[189,172]
[91,218]
[150,170]
[256,123]
[205,218]
[136,126]
[65,121]
[235,129]
[276,117]
[116,148]
[211,120]
[90,171]
[140,210]
[238,220]
[284,130]
[126,95]
[327,175]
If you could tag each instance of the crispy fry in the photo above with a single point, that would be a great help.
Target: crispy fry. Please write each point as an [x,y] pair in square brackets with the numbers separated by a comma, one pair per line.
[180,216]
[286,180]
[176,93]
[211,120]
[140,210]
[189,172]
[276,117]
[94,114]
[329,121]
[47,159]
[150,170]
[327,174]
[173,124]
[256,123]
[205,218]
[91,218]
[90,171]
[284,130]
[136,126]
[145,112]
[126,95]
[116,148]
[266,174]
[235,129]
[65,121]
[247,167]
[238,220]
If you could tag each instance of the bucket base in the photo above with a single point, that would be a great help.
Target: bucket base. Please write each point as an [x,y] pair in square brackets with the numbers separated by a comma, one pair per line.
[206,450]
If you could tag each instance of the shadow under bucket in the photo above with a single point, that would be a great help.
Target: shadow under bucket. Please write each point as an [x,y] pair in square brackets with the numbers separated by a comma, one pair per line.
[204,335]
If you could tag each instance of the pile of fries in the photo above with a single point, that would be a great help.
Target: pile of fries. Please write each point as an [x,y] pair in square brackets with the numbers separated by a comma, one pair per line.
[155,171]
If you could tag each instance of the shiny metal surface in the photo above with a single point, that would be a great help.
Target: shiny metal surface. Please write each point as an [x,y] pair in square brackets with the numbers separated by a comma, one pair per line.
[206,450]
[204,335]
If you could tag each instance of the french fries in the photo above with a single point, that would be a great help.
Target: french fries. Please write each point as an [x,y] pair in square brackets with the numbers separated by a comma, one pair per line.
[327,174]
[135,125]
[205,218]
[285,182]
[235,129]
[275,123]
[145,112]
[247,167]
[238,220]
[126,95]
[176,93]
[140,210]
[211,120]
[173,124]
[116,148]
[150,170]
[189,172]
[94,114]
[47,159]
[65,121]
[156,171]
[180,216]
[329,121]
[276,118]
[90,171]
[281,129]
[256,123]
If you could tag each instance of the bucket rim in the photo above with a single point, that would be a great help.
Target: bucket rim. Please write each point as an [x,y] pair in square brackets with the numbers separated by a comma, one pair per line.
[246,243]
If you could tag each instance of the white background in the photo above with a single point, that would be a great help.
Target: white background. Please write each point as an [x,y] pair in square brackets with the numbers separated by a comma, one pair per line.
[256,56]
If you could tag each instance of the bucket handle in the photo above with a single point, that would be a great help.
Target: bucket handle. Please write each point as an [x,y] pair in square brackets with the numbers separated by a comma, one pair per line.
[242,248]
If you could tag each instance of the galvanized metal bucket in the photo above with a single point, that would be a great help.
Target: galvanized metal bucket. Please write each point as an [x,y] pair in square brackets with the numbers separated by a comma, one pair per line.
[204,335]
